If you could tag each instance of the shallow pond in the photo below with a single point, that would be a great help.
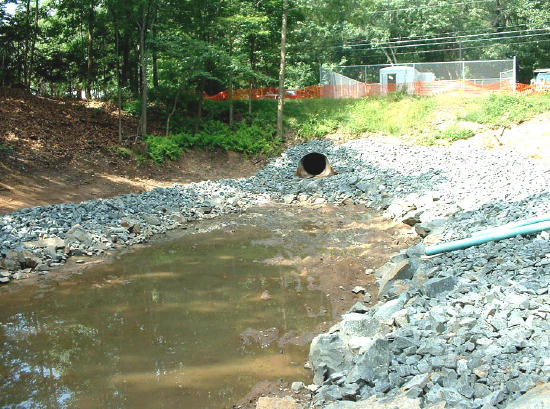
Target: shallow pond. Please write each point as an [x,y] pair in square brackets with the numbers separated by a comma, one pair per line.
[174,325]
[190,321]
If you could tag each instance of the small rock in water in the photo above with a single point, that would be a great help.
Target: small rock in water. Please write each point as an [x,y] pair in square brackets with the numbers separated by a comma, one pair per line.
[297,386]
[358,290]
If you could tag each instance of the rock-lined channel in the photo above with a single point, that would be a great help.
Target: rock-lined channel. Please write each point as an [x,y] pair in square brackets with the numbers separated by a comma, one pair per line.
[468,328]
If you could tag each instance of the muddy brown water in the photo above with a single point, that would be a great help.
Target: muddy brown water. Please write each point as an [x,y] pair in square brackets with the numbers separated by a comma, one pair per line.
[191,321]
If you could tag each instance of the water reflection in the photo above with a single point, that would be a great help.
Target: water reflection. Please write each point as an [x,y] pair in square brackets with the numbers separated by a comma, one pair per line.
[157,328]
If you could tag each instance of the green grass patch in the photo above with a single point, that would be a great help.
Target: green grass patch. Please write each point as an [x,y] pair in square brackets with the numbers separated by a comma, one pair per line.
[500,110]
[251,139]
[450,134]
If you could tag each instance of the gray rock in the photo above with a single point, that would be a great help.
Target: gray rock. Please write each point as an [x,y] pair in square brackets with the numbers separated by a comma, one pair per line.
[417,381]
[393,271]
[537,398]
[436,287]
[373,364]
[385,311]
[328,354]
[297,386]
[77,233]
[358,307]
[361,325]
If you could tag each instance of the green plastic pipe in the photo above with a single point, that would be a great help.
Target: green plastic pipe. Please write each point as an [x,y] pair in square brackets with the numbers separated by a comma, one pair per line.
[513,225]
[480,239]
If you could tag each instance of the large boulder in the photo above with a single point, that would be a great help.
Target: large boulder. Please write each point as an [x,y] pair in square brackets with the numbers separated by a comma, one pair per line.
[372,365]
[536,398]
[78,234]
[328,354]
[438,286]
[386,402]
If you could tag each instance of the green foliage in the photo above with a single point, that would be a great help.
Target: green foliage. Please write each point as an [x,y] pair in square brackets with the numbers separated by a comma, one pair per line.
[449,134]
[251,139]
[132,107]
[6,148]
[161,148]
[392,115]
[505,109]
[122,153]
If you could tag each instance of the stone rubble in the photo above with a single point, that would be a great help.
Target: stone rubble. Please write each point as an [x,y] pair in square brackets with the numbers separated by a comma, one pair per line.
[469,328]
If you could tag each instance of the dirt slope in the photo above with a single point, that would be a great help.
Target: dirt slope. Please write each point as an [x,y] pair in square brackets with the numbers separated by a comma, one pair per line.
[54,151]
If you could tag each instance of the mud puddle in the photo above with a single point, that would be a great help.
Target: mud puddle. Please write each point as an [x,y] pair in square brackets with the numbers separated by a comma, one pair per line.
[194,319]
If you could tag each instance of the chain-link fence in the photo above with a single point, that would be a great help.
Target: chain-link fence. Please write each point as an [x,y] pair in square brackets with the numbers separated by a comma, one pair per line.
[358,81]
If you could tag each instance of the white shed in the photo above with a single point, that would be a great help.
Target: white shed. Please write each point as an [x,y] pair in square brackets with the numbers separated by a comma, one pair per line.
[403,77]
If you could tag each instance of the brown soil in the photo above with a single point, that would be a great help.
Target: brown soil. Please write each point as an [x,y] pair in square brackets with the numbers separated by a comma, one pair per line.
[54,151]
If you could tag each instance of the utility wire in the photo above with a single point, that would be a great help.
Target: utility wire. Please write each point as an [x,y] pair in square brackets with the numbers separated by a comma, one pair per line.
[390,43]
[453,33]
[374,47]
[427,6]
[456,49]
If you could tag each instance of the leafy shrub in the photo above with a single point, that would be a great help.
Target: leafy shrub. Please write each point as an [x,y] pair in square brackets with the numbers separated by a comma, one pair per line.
[6,148]
[123,153]
[132,107]
[161,148]
[250,139]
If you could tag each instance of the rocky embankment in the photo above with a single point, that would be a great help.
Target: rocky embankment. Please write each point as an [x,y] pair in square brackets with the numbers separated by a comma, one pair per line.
[468,328]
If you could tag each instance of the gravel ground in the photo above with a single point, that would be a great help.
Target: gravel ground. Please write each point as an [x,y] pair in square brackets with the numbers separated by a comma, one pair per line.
[469,327]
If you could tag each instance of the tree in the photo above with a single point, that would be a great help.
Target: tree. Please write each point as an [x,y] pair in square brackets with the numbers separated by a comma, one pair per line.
[281,94]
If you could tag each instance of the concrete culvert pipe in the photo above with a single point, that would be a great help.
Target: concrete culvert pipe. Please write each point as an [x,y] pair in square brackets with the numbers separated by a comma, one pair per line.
[314,165]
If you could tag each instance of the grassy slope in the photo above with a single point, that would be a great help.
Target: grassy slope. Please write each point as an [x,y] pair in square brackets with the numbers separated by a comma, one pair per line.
[425,120]
[421,119]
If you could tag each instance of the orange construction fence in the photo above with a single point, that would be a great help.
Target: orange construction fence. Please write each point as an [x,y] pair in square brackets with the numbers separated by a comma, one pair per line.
[362,89]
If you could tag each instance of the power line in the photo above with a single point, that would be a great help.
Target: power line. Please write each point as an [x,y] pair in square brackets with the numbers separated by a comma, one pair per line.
[374,47]
[447,37]
[457,49]
[454,33]
[427,6]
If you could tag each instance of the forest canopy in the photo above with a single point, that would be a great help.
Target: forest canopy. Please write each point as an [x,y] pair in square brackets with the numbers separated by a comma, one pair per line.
[95,47]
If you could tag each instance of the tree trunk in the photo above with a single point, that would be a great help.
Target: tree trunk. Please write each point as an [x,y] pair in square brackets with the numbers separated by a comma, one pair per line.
[253,69]
[199,108]
[155,58]
[33,45]
[143,71]
[280,97]
[91,17]
[125,58]
[230,98]
[172,113]
[26,49]
[118,87]
[230,79]
[250,98]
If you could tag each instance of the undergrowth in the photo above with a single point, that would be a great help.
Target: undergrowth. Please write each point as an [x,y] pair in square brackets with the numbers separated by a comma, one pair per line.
[251,139]
[425,120]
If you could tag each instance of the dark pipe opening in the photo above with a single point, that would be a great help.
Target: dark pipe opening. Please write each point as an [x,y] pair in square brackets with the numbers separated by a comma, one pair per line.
[314,163]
